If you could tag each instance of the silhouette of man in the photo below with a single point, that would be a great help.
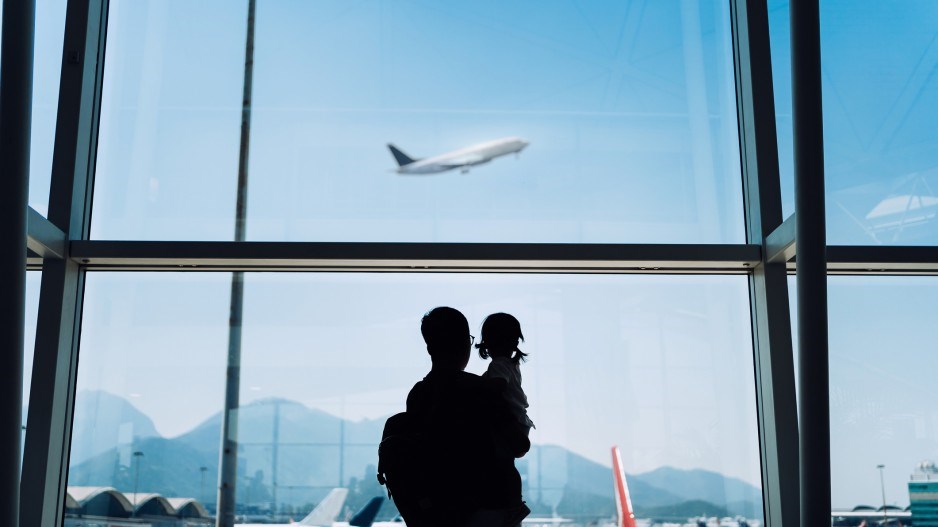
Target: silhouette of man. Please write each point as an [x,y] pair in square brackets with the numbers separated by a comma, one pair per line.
[469,428]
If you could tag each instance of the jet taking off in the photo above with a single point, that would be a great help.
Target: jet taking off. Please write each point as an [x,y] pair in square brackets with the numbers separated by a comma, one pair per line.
[462,159]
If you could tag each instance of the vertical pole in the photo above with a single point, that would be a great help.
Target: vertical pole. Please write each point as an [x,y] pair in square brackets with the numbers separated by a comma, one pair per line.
[55,361]
[882,486]
[16,86]
[814,404]
[202,470]
[768,286]
[227,488]
[275,458]
[137,458]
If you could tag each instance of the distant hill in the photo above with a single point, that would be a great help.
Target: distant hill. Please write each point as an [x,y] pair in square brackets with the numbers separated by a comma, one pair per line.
[684,510]
[310,461]
[104,421]
[168,467]
[701,485]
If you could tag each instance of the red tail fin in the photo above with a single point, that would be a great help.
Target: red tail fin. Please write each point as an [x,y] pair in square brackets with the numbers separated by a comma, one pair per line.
[623,501]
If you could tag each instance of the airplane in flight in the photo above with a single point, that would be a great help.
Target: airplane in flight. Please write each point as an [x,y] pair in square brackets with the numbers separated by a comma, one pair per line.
[463,159]
[325,514]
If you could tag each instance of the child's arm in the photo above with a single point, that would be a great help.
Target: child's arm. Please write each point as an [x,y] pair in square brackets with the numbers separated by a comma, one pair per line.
[499,369]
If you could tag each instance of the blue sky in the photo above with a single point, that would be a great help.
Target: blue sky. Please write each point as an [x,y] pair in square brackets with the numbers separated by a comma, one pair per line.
[630,110]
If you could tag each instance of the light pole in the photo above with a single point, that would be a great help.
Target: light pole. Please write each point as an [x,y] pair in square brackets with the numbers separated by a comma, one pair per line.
[203,470]
[228,469]
[882,486]
[137,455]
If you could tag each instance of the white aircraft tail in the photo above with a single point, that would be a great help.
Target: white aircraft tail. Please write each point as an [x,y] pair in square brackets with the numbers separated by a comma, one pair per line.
[626,515]
[328,509]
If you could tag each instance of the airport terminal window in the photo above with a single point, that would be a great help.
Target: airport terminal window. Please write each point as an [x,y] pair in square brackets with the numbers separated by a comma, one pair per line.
[660,366]
[882,364]
[33,279]
[880,98]
[780,43]
[47,66]
[630,132]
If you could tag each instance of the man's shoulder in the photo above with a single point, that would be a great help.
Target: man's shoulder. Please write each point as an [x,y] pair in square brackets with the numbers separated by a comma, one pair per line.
[451,385]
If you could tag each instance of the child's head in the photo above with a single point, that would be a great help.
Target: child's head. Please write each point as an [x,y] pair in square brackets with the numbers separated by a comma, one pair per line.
[501,334]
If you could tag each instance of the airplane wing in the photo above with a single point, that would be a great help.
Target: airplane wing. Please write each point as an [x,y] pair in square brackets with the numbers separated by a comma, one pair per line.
[466,160]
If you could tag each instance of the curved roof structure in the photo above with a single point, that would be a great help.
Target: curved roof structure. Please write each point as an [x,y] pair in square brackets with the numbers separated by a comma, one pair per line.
[890,508]
[109,502]
[188,508]
[150,504]
[101,501]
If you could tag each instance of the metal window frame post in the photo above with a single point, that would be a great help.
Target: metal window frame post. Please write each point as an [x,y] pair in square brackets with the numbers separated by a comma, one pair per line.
[16,86]
[768,285]
[55,362]
[811,268]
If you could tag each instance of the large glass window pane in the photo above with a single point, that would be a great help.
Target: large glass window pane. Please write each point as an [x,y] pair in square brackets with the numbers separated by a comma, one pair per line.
[780,44]
[33,280]
[660,366]
[883,411]
[880,97]
[627,109]
[47,67]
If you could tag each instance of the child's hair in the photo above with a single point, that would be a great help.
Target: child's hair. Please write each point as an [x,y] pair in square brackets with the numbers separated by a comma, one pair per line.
[501,330]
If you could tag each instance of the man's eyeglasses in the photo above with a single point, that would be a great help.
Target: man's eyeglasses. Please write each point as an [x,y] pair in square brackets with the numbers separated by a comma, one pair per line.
[472,340]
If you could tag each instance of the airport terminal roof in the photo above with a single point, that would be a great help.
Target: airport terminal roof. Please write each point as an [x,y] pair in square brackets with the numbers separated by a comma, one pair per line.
[100,501]
[188,508]
[150,504]
[110,502]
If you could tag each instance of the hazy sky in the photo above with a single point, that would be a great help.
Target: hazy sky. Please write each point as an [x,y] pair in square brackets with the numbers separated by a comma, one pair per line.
[630,110]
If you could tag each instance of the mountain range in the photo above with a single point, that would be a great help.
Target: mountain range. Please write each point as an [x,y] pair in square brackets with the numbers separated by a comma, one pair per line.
[316,451]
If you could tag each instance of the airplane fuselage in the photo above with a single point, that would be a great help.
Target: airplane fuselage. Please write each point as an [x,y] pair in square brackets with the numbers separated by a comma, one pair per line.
[465,157]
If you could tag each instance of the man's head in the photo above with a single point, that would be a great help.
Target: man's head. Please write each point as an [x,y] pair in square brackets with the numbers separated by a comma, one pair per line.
[446,332]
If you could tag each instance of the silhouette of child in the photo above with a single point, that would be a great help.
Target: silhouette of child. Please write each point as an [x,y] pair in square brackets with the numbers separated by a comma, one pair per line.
[501,334]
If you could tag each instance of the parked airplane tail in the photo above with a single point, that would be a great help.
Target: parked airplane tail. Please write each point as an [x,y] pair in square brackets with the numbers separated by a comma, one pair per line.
[328,509]
[401,157]
[626,516]
[366,516]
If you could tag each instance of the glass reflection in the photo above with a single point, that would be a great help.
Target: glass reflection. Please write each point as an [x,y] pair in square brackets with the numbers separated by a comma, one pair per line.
[47,68]
[882,359]
[880,103]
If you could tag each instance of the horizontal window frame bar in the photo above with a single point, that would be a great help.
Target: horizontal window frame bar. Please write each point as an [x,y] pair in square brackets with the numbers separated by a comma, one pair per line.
[448,257]
[881,259]
[103,255]
[43,238]
[781,245]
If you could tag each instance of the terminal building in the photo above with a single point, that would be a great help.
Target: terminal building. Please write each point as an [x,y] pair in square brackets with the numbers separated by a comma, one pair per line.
[923,495]
[107,506]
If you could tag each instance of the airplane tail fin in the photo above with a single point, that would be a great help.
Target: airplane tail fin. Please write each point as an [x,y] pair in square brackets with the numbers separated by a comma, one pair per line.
[401,158]
[328,509]
[366,516]
[626,516]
